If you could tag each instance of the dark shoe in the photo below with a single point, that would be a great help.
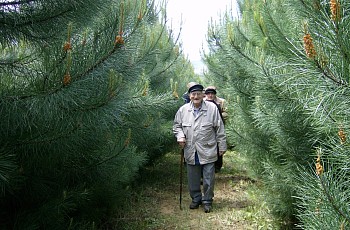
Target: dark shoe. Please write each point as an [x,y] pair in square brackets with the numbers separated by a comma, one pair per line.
[217,170]
[207,208]
[195,205]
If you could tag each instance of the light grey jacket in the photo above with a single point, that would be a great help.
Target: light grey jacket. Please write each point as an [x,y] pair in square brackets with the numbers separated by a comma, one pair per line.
[203,133]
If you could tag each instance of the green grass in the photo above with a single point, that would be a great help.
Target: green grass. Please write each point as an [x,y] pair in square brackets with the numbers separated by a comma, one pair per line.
[154,200]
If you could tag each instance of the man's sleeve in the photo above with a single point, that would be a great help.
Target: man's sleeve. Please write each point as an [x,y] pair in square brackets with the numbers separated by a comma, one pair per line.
[220,133]
[177,126]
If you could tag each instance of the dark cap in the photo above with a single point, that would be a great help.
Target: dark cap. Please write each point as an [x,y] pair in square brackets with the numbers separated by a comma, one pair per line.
[207,91]
[197,87]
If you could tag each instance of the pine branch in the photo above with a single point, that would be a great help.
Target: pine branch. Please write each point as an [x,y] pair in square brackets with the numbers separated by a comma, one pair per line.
[331,200]
[108,158]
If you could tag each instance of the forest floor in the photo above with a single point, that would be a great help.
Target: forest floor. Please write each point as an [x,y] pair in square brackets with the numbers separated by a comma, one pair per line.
[155,204]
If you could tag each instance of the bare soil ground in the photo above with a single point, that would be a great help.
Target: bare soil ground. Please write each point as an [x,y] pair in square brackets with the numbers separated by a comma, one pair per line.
[156,203]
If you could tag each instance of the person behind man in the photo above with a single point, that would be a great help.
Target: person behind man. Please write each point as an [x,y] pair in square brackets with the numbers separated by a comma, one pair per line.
[186,95]
[210,93]
[199,129]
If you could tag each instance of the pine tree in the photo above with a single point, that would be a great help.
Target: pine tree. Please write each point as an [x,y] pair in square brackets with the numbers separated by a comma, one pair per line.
[286,67]
[83,87]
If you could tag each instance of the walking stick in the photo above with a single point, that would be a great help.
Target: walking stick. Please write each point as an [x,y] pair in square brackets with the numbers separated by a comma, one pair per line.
[181,172]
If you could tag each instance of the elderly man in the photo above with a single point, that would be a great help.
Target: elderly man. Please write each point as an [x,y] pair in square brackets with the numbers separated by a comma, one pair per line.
[199,129]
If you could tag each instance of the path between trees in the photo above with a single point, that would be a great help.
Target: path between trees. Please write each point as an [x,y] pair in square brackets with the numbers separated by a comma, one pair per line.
[155,204]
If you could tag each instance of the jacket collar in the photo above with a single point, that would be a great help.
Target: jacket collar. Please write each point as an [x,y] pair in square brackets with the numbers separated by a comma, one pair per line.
[203,107]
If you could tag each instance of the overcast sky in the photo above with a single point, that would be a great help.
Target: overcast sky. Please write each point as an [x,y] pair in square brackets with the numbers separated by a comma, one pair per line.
[195,15]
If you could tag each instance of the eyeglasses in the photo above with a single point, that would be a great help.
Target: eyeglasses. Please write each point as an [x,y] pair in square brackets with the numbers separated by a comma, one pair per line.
[196,93]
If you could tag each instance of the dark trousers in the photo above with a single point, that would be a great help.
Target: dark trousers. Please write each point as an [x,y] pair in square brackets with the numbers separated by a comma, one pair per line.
[218,163]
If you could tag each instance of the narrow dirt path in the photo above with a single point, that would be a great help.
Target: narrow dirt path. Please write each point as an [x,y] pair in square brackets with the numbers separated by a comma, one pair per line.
[157,206]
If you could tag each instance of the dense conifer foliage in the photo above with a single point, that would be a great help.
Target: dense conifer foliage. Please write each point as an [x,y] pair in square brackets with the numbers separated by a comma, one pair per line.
[87,93]
[284,66]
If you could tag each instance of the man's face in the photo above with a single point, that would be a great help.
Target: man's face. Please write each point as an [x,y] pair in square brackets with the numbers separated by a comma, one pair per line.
[196,97]
[211,96]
